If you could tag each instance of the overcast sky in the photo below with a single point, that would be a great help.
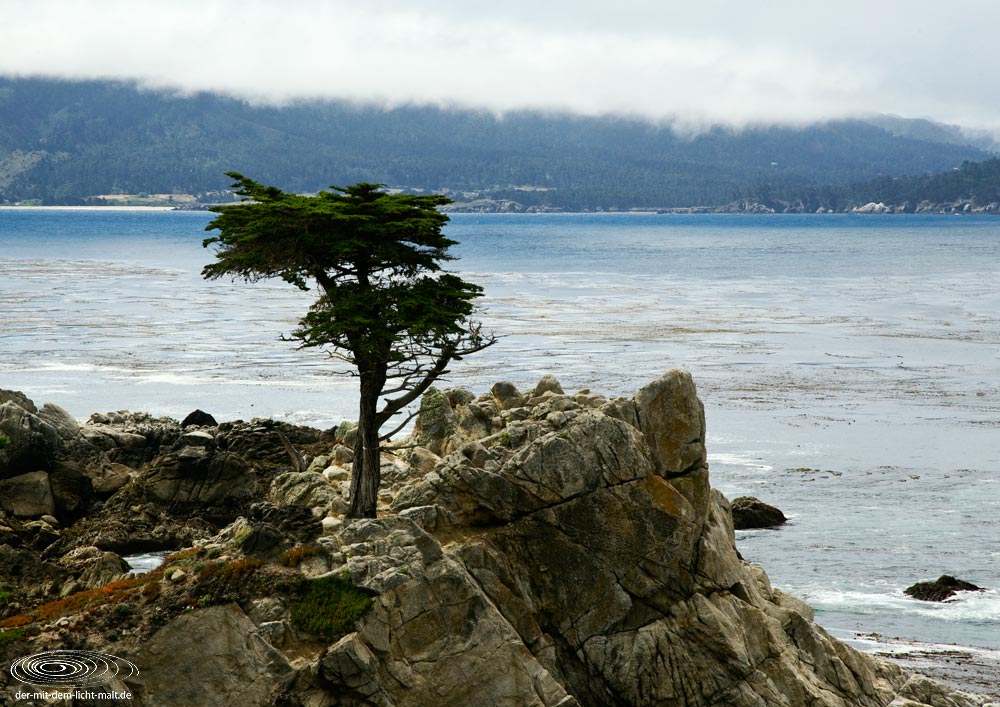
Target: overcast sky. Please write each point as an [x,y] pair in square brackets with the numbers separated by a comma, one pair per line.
[706,61]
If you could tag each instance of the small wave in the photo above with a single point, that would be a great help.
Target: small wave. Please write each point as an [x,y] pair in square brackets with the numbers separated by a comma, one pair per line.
[747,462]
[145,562]
[969,607]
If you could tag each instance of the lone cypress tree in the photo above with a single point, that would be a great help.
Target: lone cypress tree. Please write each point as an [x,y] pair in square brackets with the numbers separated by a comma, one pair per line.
[385,305]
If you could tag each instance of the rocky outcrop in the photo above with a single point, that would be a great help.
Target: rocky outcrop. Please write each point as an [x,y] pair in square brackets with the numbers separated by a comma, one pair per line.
[750,513]
[941,589]
[587,525]
[540,548]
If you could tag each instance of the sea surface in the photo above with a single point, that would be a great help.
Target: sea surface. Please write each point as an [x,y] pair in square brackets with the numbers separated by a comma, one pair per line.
[850,366]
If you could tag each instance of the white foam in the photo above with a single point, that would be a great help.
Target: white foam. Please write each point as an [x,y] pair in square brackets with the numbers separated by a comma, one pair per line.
[969,607]
[742,460]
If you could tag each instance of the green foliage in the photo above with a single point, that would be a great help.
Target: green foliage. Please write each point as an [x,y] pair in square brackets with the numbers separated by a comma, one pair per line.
[10,635]
[385,305]
[5,597]
[123,613]
[4,440]
[330,607]
[977,182]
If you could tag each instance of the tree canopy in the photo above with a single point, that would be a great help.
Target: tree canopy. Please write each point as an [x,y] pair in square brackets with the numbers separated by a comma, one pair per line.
[385,304]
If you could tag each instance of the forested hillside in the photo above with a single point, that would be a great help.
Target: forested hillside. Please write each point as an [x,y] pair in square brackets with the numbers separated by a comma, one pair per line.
[65,142]
[974,186]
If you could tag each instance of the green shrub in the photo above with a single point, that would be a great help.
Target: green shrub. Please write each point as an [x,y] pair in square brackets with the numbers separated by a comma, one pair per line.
[330,607]
[5,597]
[4,440]
[10,635]
[122,612]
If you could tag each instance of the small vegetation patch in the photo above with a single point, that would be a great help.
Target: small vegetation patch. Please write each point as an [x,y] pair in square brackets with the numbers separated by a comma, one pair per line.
[5,597]
[330,607]
[222,582]
[186,554]
[294,556]
[10,635]
[113,593]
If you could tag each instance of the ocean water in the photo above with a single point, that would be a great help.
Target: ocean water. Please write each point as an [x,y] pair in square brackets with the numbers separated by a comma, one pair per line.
[850,365]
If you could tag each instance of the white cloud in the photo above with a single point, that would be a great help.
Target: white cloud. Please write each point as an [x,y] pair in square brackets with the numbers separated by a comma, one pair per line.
[711,61]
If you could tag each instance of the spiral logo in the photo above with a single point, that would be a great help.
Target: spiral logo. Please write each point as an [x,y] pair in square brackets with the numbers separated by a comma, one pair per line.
[71,668]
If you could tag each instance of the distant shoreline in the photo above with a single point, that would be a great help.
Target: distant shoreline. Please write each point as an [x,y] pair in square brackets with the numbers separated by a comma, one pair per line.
[672,211]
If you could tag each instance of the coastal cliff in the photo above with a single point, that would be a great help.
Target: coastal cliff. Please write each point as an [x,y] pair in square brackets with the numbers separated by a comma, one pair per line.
[532,548]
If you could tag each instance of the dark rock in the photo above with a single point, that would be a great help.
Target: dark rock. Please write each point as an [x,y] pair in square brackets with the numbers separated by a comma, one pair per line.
[72,490]
[750,513]
[941,589]
[199,418]
[192,475]
[33,441]
[294,520]
[260,440]
[507,395]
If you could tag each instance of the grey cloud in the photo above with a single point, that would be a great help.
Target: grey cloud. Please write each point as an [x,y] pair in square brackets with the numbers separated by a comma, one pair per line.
[711,61]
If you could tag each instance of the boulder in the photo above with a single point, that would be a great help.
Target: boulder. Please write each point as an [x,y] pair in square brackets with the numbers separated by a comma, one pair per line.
[207,657]
[548,384]
[193,475]
[941,589]
[305,488]
[61,421]
[506,395]
[72,490]
[123,437]
[27,495]
[33,441]
[750,513]
[93,567]
[199,418]
[106,478]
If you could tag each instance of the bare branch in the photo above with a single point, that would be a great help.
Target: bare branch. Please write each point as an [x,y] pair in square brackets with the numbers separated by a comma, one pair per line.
[298,463]
[403,424]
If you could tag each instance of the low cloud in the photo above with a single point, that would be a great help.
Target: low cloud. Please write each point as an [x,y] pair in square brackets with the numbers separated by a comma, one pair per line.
[690,64]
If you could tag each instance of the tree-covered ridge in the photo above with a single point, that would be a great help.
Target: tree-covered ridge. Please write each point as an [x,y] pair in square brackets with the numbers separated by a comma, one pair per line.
[975,183]
[972,186]
[62,142]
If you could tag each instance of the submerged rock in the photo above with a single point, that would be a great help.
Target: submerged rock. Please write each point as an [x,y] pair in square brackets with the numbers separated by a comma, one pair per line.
[750,513]
[941,589]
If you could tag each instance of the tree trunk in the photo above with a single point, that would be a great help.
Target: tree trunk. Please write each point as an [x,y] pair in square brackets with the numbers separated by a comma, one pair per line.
[366,469]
